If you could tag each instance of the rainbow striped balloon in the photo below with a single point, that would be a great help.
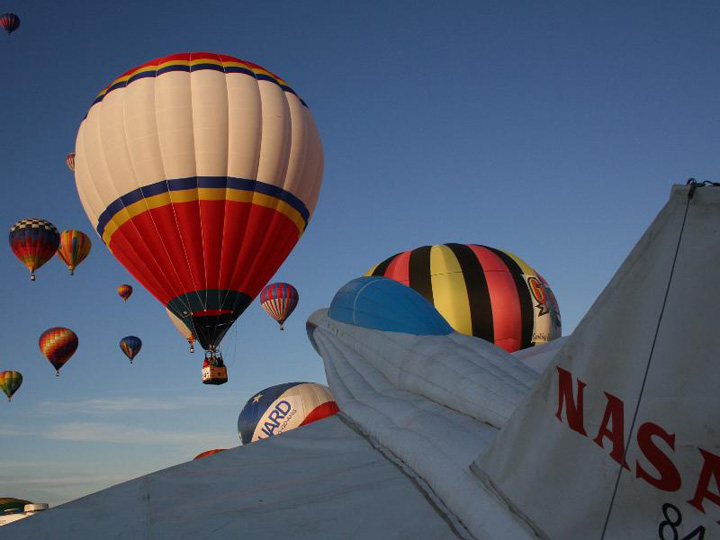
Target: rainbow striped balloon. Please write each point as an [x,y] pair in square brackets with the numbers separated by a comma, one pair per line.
[58,344]
[34,241]
[131,346]
[74,248]
[481,291]
[70,161]
[279,300]
[10,381]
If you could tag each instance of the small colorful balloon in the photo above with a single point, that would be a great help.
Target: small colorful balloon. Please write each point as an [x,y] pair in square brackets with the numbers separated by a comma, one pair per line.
[279,300]
[58,344]
[10,381]
[131,346]
[74,248]
[70,161]
[9,22]
[34,241]
[125,291]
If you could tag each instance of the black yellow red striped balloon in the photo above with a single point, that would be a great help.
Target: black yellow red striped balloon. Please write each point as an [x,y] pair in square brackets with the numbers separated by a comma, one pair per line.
[481,291]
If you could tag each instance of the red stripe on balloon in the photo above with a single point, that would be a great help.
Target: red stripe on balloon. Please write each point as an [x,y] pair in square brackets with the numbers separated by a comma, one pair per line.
[504,299]
[399,268]
[241,247]
[329,408]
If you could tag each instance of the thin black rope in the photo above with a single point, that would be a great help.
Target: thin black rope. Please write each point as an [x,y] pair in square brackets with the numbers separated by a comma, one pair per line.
[693,185]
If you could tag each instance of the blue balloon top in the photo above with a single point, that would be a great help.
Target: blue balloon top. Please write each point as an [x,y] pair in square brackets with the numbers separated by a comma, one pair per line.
[384,304]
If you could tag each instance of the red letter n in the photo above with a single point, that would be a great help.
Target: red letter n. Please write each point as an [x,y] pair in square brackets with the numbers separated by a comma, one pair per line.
[573,408]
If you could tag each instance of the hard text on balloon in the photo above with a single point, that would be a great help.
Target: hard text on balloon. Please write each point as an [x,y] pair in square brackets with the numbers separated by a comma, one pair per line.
[278,419]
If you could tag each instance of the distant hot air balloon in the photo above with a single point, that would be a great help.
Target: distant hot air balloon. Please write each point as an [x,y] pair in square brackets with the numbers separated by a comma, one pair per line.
[131,346]
[10,381]
[9,22]
[481,291]
[186,333]
[209,453]
[34,241]
[206,191]
[74,248]
[58,344]
[284,407]
[279,301]
[125,291]
[70,161]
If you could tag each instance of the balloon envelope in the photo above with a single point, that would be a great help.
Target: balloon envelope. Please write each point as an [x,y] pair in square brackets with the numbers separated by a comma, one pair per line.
[481,291]
[9,22]
[131,346]
[284,407]
[279,300]
[182,328]
[200,173]
[209,453]
[125,291]
[74,248]
[70,161]
[34,241]
[10,381]
[58,344]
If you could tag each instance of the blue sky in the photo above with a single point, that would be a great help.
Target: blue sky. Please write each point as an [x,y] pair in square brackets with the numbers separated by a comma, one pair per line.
[551,130]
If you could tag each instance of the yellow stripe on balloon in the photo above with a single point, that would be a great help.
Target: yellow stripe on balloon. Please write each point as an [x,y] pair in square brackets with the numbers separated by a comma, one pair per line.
[526,269]
[450,294]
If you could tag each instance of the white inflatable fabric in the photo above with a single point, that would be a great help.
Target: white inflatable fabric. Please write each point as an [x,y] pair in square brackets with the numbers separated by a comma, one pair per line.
[538,358]
[436,442]
[651,344]
[467,374]
[321,481]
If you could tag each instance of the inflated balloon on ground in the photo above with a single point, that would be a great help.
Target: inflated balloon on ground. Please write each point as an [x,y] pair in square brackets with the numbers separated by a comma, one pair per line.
[209,453]
[481,291]
[283,407]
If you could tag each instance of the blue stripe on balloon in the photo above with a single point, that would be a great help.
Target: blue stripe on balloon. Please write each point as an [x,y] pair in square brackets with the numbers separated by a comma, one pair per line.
[194,182]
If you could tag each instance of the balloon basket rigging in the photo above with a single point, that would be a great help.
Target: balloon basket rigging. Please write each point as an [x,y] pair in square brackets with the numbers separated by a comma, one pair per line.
[214,370]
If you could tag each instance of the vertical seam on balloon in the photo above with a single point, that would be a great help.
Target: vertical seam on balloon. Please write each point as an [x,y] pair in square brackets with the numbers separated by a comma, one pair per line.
[197,188]
[137,182]
[104,162]
[272,216]
[194,286]
[225,206]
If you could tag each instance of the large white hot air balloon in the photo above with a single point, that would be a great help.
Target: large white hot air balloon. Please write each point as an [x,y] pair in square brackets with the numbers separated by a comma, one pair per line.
[200,173]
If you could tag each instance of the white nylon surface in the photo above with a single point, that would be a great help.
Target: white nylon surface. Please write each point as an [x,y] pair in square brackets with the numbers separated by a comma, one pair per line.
[318,482]
[436,442]
[564,481]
